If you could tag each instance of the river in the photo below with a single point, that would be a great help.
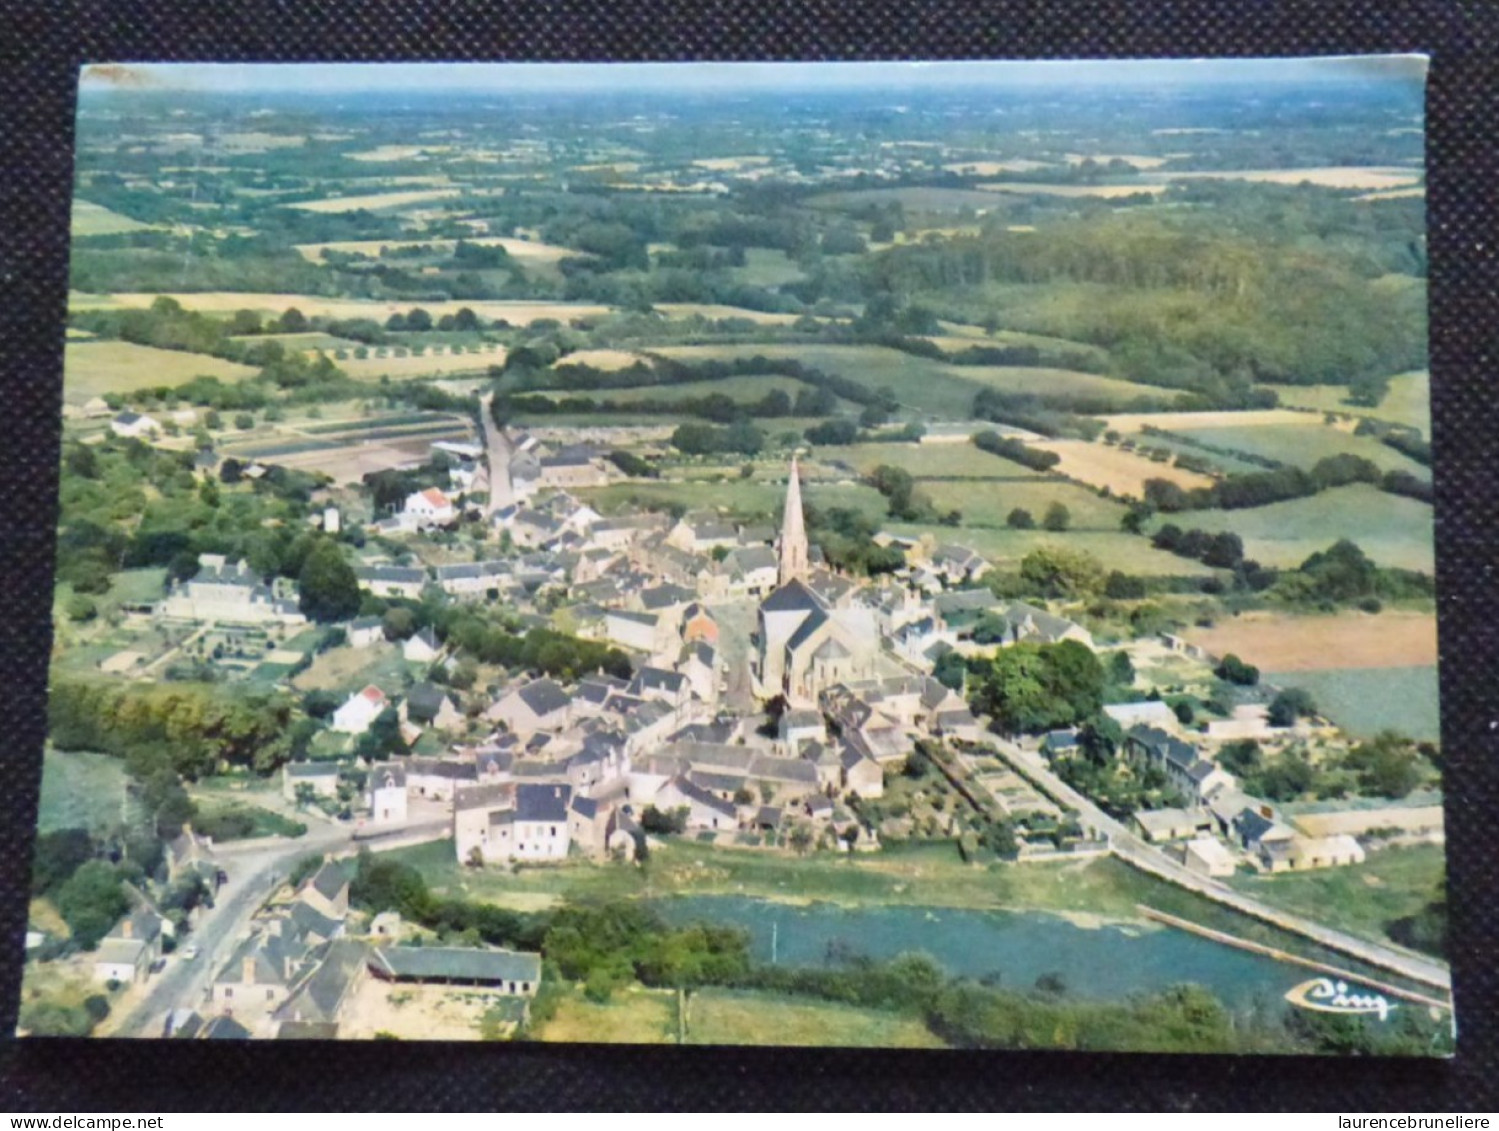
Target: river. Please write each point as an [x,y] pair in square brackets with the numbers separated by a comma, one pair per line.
[1108,961]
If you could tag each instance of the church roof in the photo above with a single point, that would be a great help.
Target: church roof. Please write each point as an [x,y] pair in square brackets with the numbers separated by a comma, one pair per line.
[815,620]
[831,650]
[794,596]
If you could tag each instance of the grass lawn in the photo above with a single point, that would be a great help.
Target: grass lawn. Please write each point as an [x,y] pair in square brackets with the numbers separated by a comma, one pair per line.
[725,1017]
[91,369]
[1408,402]
[1393,530]
[1362,899]
[346,669]
[1302,445]
[82,791]
[632,1016]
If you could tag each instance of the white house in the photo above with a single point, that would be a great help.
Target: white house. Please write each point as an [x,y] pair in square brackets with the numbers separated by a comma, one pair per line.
[359,711]
[429,508]
[134,425]
[387,794]
[421,648]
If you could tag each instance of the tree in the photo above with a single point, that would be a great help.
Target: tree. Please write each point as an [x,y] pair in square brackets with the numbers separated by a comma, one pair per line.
[244,421]
[90,902]
[57,855]
[80,607]
[1055,571]
[1291,704]
[1123,587]
[1058,518]
[951,670]
[1020,519]
[293,321]
[329,588]
[1121,669]
[1235,670]
[1386,764]
[664,822]
[1241,758]
[398,623]
[1029,688]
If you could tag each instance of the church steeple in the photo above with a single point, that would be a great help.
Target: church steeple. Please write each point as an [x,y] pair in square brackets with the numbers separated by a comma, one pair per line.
[793,547]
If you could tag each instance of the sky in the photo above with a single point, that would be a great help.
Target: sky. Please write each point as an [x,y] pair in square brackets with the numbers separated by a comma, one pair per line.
[524,78]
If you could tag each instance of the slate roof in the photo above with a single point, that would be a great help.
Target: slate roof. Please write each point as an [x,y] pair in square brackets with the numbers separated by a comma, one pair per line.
[657,679]
[501,794]
[321,995]
[424,701]
[665,596]
[650,619]
[224,1027]
[433,963]
[701,796]
[585,807]
[539,802]
[794,596]
[1162,745]
[329,880]
[404,575]
[544,696]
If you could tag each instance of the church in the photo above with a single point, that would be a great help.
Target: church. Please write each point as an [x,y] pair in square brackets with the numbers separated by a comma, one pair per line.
[811,634]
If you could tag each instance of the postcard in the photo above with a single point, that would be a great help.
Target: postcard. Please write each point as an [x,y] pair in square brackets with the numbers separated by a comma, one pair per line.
[920,555]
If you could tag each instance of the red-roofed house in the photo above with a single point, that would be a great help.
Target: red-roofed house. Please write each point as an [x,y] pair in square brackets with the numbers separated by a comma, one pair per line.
[360,710]
[429,508]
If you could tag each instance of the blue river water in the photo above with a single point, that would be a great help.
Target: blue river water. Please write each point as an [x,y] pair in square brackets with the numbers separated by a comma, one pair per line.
[1014,948]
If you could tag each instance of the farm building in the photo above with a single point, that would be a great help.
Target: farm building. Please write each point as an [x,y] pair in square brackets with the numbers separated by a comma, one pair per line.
[507,971]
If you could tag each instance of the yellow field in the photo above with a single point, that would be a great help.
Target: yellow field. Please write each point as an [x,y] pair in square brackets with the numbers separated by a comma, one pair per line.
[631,1017]
[375,201]
[1124,473]
[523,250]
[995,168]
[723,1017]
[1106,192]
[1331,176]
[92,369]
[227,302]
[731,164]
[1174,421]
[1392,194]
[396,152]
[433,365]
[1128,158]
[717,310]
[1408,401]
[96,220]
[608,360]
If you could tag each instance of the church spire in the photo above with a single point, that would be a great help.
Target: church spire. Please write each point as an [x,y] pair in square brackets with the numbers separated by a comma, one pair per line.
[792,563]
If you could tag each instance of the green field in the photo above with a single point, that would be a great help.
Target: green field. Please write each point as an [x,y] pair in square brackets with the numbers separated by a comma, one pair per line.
[1362,898]
[82,791]
[1365,701]
[726,1017]
[932,388]
[95,220]
[91,369]
[1302,444]
[745,497]
[1408,401]
[989,504]
[744,389]
[311,340]
[912,199]
[767,267]
[1393,530]
[1116,550]
[931,461]
[1052,382]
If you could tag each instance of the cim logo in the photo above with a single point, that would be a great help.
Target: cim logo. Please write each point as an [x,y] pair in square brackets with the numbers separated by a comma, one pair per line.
[1328,996]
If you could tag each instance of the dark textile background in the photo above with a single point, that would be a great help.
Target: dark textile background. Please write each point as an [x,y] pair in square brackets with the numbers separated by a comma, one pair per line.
[41,46]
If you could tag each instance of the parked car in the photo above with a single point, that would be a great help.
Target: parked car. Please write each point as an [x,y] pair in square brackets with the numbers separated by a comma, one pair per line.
[190,952]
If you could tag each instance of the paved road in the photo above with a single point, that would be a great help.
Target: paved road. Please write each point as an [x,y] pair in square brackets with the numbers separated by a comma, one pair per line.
[736,620]
[1147,857]
[254,871]
[501,490]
